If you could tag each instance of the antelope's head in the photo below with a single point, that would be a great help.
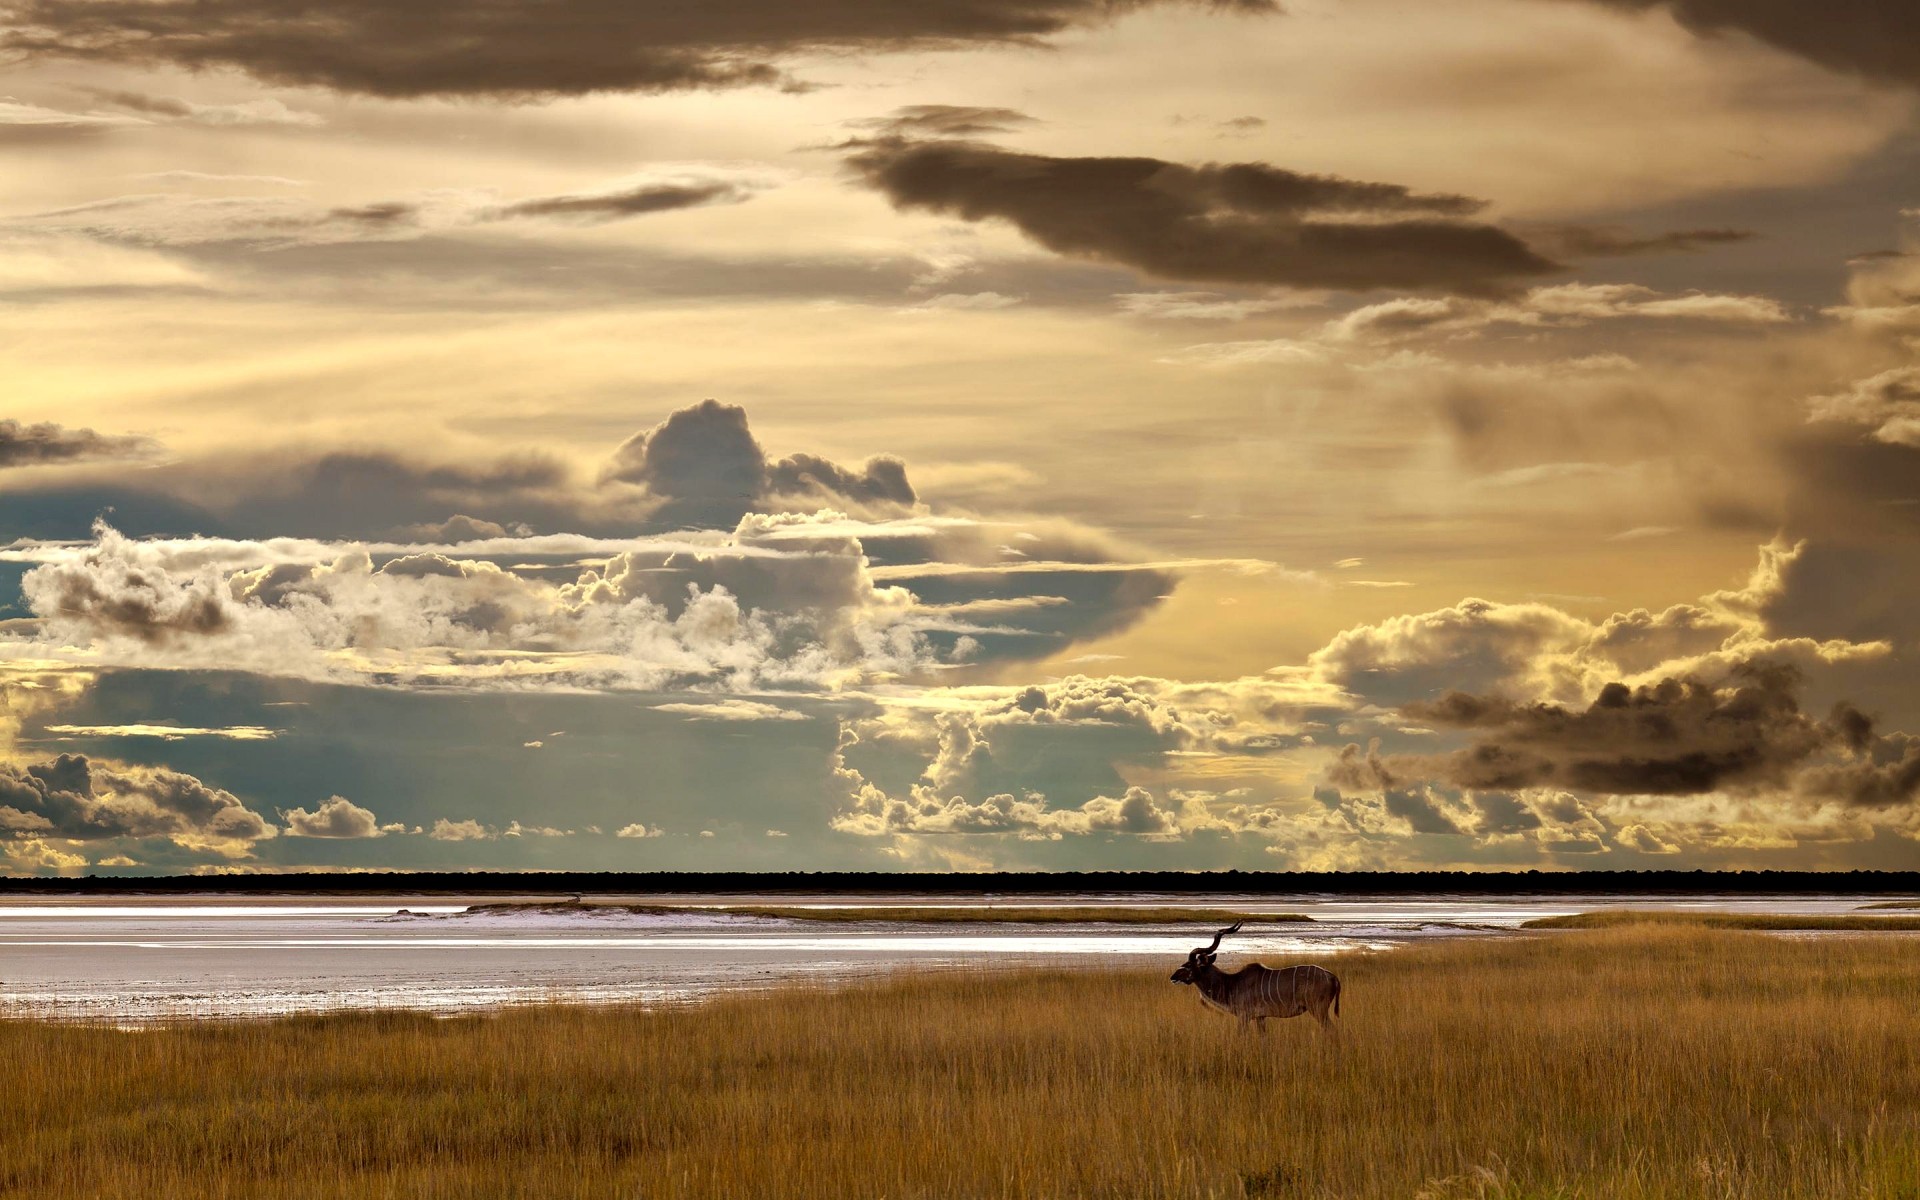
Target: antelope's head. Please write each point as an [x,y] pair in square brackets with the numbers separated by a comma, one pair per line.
[1202,956]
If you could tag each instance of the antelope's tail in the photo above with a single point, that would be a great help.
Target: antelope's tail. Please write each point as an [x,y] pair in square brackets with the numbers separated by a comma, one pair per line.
[1336,995]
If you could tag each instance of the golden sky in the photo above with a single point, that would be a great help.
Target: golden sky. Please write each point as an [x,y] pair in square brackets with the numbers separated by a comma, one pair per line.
[801,434]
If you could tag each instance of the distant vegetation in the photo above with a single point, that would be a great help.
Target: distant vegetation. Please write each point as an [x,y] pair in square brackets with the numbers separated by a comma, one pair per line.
[1058,914]
[1617,918]
[1642,1062]
[960,883]
[1894,904]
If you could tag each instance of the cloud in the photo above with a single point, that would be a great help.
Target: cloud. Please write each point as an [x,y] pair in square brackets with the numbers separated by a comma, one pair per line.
[445,830]
[1885,776]
[663,189]
[708,471]
[263,111]
[1871,38]
[183,176]
[731,709]
[55,265]
[755,608]
[630,202]
[1888,403]
[1529,651]
[638,830]
[169,733]
[1476,645]
[77,799]
[1046,759]
[571,47]
[33,123]
[46,443]
[1558,306]
[1356,338]
[1215,223]
[1136,812]
[1674,737]
[1854,583]
[769,578]
[109,593]
[945,120]
[966,302]
[281,222]
[1611,241]
[336,817]
[515,829]
[1205,306]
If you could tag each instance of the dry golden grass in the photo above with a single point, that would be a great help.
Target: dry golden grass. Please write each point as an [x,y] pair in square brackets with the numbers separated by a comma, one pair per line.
[1622,918]
[1643,1062]
[1054,914]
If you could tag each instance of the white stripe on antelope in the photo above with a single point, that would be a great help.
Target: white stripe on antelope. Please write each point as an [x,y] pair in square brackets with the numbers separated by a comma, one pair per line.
[1254,992]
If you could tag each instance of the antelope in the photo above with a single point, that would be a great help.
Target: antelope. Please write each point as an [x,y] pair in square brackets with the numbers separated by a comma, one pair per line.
[1254,993]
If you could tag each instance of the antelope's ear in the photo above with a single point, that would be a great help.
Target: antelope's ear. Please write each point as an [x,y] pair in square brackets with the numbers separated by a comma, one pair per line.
[1207,960]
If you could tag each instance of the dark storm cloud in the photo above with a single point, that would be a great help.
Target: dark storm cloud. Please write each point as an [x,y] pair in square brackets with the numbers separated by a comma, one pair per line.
[1873,38]
[1503,813]
[630,202]
[703,461]
[1888,776]
[1420,813]
[881,480]
[708,469]
[43,443]
[1608,241]
[1214,223]
[73,798]
[443,47]
[1676,737]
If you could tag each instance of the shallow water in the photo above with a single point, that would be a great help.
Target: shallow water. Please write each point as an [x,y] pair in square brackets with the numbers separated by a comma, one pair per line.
[130,961]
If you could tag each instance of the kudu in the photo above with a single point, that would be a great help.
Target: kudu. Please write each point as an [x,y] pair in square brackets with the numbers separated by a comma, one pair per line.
[1254,993]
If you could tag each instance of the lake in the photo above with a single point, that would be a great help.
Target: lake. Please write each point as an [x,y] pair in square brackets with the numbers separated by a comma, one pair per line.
[130,960]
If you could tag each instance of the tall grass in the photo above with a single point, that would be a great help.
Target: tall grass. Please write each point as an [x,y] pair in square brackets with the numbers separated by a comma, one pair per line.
[1774,922]
[1643,1062]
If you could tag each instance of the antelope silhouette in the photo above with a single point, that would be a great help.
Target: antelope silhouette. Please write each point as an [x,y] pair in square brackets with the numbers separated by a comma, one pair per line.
[1254,992]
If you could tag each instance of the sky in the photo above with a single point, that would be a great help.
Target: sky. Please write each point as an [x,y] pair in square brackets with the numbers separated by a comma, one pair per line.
[959,434]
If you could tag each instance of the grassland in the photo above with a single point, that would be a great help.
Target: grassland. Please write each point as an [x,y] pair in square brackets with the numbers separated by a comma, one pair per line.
[1047,914]
[1769,922]
[1636,1062]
